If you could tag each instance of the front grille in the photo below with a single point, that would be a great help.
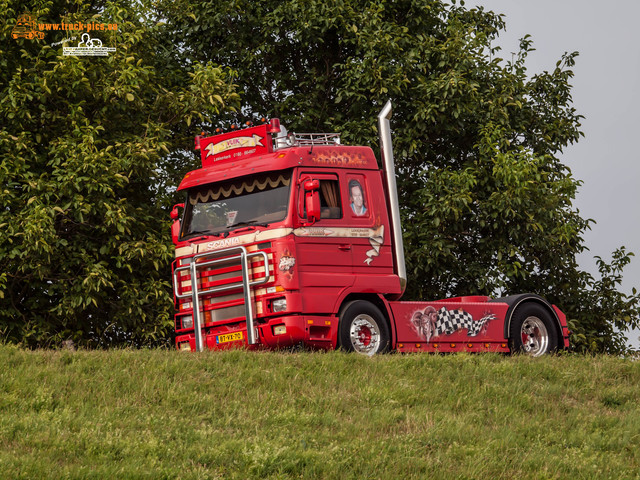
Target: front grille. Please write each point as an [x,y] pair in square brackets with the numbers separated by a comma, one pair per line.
[220,295]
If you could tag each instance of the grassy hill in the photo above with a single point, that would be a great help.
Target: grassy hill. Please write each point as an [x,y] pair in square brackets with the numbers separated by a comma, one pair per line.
[162,414]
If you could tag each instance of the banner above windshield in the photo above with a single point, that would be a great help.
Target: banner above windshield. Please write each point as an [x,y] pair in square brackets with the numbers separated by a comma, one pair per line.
[235,145]
[239,188]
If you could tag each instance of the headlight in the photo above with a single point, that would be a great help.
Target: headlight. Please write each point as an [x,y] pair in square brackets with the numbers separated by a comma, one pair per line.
[187,321]
[279,305]
[279,330]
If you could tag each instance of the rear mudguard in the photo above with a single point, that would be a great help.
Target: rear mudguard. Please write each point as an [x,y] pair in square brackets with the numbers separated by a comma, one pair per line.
[516,300]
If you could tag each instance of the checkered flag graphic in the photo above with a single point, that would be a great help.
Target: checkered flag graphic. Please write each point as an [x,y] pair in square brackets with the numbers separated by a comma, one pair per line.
[450,321]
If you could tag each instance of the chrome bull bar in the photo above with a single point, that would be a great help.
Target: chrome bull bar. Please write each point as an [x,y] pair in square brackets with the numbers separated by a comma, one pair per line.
[229,255]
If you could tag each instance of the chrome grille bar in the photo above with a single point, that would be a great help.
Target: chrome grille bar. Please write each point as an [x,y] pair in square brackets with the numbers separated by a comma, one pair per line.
[228,256]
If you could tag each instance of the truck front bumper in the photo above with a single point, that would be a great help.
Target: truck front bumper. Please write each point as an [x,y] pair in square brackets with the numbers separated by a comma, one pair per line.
[277,332]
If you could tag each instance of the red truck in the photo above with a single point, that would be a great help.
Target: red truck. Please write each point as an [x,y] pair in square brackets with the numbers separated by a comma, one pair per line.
[289,239]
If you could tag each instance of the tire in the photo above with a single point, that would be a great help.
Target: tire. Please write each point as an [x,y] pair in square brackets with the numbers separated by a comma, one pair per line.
[532,331]
[363,329]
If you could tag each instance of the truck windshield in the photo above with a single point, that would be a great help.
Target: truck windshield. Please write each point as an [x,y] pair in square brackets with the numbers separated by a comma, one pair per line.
[219,207]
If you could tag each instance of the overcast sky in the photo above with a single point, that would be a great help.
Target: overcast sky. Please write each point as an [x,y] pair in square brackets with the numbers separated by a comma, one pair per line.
[606,91]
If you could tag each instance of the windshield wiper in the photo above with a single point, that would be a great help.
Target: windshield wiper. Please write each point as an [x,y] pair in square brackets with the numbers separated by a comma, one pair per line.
[250,223]
[202,233]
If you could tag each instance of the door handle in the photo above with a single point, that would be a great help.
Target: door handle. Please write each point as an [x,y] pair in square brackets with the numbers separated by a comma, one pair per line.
[345,247]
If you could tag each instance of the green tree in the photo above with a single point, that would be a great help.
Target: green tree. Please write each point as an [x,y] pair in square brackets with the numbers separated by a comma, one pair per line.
[486,201]
[88,145]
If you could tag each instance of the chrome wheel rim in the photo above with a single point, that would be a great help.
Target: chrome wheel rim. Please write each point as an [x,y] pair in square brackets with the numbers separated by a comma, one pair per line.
[365,334]
[535,337]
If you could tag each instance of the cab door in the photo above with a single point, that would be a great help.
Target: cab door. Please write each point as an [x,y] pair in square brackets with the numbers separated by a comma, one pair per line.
[324,255]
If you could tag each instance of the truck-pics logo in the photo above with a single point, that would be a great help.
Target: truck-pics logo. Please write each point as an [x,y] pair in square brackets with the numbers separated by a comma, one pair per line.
[26,28]
[88,46]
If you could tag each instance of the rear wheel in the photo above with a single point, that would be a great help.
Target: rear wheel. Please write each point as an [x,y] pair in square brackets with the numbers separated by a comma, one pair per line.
[533,331]
[363,329]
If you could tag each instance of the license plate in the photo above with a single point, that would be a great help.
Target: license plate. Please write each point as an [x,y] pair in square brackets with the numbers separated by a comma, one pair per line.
[228,337]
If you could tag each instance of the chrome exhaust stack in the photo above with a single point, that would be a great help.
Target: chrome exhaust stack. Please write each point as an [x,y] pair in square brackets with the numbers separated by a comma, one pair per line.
[392,192]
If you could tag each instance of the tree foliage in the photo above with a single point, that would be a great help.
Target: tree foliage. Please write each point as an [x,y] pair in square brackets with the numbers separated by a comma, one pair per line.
[84,247]
[91,150]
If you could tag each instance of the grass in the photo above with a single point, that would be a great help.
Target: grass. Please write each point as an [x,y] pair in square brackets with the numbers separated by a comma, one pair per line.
[236,414]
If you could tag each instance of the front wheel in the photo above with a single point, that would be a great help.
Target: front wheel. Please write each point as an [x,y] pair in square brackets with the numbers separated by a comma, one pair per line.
[533,331]
[363,329]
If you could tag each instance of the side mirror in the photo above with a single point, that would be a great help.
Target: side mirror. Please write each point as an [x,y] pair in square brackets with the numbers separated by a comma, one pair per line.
[312,200]
[174,213]
[175,227]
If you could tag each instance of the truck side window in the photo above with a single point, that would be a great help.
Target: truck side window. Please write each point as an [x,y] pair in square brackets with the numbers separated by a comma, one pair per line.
[330,199]
[329,193]
[357,198]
